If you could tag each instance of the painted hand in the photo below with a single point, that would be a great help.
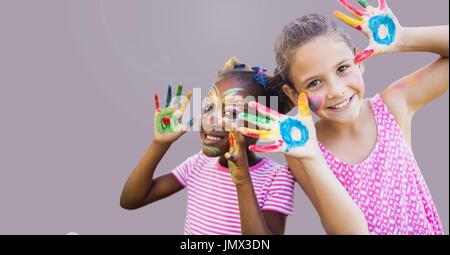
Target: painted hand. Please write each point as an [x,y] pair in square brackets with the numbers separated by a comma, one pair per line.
[167,120]
[237,158]
[380,25]
[293,136]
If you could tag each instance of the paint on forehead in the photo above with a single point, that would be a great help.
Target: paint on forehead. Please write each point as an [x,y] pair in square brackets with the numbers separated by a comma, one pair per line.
[315,103]
[213,92]
[231,96]
[232,92]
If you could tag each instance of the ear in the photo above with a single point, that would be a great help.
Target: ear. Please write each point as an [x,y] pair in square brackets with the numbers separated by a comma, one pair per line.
[360,65]
[291,93]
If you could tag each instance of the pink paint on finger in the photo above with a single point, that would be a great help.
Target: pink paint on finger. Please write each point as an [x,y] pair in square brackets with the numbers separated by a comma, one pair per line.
[263,108]
[351,8]
[382,4]
[264,149]
[364,55]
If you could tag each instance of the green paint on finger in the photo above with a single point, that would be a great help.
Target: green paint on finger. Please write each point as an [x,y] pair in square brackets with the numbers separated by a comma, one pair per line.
[255,119]
[363,3]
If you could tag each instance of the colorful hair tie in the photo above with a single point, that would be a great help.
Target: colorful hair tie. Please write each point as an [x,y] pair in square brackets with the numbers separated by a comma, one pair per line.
[260,75]
[237,66]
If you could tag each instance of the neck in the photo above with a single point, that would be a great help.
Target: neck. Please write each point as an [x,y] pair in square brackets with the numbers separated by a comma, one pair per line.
[251,158]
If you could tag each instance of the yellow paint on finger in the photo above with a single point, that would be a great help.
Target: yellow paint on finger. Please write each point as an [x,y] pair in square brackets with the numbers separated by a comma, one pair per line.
[303,107]
[186,101]
[349,20]
[260,134]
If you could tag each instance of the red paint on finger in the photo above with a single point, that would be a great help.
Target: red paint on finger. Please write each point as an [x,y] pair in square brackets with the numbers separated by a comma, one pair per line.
[364,55]
[231,139]
[157,102]
[251,134]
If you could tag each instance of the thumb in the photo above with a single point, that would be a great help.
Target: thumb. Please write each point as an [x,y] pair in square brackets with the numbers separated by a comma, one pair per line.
[230,157]
[303,105]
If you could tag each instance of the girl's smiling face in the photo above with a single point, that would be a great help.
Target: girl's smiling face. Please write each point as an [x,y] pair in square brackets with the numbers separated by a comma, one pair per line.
[325,69]
[225,99]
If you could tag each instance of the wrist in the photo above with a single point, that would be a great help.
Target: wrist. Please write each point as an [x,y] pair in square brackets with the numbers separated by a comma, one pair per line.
[242,181]
[403,39]
[161,144]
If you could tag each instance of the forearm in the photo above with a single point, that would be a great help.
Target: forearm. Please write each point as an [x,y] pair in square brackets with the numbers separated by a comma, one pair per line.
[429,39]
[339,214]
[252,219]
[140,181]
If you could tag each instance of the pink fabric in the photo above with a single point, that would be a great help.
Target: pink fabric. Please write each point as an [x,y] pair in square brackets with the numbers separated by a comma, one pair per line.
[388,186]
[212,206]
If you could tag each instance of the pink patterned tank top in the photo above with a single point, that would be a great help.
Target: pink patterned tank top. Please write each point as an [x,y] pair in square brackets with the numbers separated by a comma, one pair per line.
[388,186]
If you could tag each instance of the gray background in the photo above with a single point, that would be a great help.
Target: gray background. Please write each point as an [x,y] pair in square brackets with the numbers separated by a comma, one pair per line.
[76,85]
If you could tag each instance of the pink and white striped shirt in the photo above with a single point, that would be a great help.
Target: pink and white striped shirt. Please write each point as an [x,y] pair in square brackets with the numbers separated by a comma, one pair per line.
[212,206]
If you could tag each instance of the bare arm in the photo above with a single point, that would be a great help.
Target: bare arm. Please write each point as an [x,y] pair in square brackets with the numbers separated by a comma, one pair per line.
[253,220]
[409,94]
[140,188]
[338,213]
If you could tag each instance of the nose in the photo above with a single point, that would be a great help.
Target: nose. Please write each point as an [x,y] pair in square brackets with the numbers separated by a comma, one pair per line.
[211,122]
[337,89]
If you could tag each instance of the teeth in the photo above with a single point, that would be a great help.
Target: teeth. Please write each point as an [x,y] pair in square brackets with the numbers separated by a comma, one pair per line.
[215,138]
[341,105]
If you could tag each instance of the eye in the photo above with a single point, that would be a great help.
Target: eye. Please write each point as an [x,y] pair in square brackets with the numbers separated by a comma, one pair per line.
[343,69]
[208,107]
[314,84]
[231,114]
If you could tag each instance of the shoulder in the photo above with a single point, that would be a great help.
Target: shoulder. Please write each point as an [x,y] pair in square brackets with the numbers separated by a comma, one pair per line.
[397,106]
[195,160]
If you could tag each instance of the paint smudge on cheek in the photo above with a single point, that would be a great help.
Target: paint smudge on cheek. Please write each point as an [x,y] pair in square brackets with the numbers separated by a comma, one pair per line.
[315,103]
[359,82]
[211,149]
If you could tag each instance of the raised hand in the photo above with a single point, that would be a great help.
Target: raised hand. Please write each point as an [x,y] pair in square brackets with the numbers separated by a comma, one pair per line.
[294,136]
[237,158]
[380,25]
[167,121]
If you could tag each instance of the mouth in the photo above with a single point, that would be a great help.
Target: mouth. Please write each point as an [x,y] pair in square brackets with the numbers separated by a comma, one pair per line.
[342,106]
[211,139]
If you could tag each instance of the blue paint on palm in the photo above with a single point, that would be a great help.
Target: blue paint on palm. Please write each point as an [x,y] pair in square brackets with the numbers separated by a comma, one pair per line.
[286,129]
[375,24]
